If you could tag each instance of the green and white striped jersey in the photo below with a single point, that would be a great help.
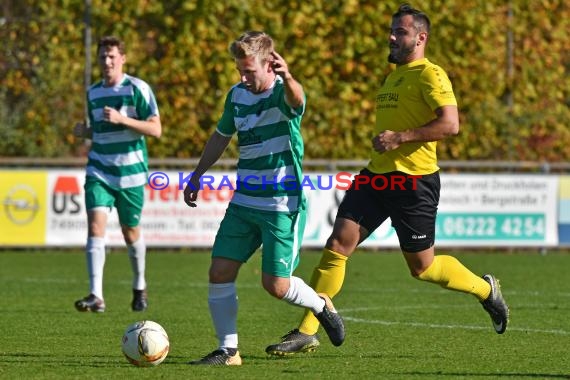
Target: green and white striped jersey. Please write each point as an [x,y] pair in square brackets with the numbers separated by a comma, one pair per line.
[269,170]
[118,155]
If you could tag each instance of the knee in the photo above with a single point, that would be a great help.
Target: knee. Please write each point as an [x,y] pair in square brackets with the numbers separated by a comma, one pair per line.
[275,289]
[276,292]
[417,268]
[218,275]
[341,246]
[415,273]
[96,229]
[223,270]
[130,234]
[419,262]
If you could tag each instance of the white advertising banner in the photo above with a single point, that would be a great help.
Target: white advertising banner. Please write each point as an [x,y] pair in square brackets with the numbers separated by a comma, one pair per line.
[475,210]
[66,220]
[166,221]
[498,210]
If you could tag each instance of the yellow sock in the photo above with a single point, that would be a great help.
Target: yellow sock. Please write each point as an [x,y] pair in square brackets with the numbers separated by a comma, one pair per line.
[327,278]
[449,273]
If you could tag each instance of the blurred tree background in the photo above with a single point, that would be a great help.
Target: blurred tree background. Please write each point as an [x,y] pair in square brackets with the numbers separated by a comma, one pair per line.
[508,60]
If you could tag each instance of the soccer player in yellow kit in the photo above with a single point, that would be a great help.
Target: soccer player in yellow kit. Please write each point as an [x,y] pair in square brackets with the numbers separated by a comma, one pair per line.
[415,108]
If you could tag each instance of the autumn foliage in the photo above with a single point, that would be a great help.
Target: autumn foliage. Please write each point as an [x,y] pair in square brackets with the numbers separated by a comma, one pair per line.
[509,64]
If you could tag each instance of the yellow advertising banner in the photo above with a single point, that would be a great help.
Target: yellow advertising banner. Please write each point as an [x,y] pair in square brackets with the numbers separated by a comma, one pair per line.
[565,187]
[23,211]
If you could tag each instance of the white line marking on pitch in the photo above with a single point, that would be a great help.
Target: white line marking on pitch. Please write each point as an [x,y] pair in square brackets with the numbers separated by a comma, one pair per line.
[431,325]
[439,306]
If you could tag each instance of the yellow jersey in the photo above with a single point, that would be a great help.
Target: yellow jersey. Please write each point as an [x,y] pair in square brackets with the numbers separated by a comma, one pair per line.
[407,100]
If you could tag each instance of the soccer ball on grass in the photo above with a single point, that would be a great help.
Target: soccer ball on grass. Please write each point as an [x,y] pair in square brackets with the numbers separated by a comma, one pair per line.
[145,344]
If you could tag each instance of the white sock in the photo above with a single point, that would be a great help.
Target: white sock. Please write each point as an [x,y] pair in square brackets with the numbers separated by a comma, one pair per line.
[223,302]
[301,294]
[137,256]
[95,253]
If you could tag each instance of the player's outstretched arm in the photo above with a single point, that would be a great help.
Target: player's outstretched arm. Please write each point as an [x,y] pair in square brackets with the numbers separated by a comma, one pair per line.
[213,150]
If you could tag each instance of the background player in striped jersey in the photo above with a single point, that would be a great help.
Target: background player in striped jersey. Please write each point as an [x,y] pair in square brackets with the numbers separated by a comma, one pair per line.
[122,111]
[265,111]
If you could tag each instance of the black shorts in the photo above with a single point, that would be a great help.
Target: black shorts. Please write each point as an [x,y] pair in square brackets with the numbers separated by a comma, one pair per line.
[409,201]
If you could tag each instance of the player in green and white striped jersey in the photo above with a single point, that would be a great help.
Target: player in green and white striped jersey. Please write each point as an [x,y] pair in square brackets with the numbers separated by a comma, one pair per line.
[118,155]
[269,171]
[268,208]
[122,111]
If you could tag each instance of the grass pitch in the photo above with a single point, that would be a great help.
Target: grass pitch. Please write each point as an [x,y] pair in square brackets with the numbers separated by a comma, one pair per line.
[397,327]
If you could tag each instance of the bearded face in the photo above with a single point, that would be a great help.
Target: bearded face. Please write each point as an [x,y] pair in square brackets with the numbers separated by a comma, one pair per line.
[406,42]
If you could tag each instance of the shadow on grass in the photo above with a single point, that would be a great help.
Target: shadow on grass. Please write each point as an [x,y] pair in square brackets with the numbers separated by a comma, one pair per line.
[69,360]
[483,375]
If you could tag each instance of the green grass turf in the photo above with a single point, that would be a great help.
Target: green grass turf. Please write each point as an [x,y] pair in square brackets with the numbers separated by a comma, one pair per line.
[397,327]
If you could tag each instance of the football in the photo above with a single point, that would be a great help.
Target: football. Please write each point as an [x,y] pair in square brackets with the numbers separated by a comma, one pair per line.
[145,344]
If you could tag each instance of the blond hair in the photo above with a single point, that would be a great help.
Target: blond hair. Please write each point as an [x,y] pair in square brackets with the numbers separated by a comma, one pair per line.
[253,44]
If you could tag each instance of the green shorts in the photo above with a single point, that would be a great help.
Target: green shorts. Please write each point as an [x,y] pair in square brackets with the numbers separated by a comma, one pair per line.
[243,230]
[128,202]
